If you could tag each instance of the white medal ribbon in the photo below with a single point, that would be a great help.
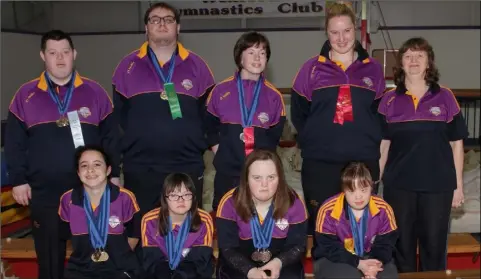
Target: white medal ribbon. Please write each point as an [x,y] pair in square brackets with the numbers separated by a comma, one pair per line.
[75,128]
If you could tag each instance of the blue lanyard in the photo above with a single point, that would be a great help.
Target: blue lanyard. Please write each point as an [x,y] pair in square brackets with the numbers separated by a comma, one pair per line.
[358,230]
[98,226]
[262,234]
[63,105]
[158,69]
[248,115]
[174,244]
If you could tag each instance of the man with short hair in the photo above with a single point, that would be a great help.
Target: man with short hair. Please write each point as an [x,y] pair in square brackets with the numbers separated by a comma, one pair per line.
[48,118]
[159,97]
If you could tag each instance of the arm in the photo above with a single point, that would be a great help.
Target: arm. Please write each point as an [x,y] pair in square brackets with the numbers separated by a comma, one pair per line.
[300,108]
[212,123]
[458,155]
[132,230]
[385,144]
[295,246]
[155,263]
[329,246]
[271,137]
[198,264]
[16,150]
[383,247]
[108,127]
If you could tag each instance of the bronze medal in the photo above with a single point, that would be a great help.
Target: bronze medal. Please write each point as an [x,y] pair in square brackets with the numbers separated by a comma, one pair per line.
[62,122]
[95,256]
[163,96]
[262,256]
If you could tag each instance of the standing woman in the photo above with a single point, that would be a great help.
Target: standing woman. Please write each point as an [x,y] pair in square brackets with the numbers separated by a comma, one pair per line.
[104,222]
[423,155]
[262,224]
[177,237]
[245,112]
[333,111]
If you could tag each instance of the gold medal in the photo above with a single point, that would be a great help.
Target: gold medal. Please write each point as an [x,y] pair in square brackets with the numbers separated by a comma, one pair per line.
[262,256]
[163,96]
[62,122]
[100,256]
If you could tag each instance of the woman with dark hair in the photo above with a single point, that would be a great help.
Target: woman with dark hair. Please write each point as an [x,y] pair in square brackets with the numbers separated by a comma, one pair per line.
[104,222]
[355,231]
[333,108]
[422,157]
[262,224]
[245,112]
[177,237]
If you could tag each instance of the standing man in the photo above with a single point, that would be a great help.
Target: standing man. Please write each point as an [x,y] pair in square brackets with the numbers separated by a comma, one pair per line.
[159,96]
[48,118]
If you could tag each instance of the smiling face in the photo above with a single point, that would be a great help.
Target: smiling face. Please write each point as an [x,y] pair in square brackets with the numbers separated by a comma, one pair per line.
[254,59]
[415,62]
[162,26]
[341,34]
[92,170]
[59,58]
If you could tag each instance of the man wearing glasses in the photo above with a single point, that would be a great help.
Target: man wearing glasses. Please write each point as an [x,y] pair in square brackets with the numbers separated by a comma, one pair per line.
[159,99]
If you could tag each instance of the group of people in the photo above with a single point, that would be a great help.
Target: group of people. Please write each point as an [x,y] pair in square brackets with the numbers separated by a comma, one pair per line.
[66,143]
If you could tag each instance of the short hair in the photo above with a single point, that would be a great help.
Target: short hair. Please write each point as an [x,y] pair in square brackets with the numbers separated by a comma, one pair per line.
[172,182]
[56,35]
[283,198]
[416,44]
[355,172]
[79,151]
[162,5]
[248,40]
[339,9]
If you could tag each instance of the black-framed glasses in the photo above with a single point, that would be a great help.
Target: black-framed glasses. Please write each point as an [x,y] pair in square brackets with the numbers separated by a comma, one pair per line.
[185,197]
[157,20]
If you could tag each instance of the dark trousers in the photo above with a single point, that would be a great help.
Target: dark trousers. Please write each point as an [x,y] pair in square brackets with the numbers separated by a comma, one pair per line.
[421,217]
[223,183]
[147,188]
[322,180]
[324,268]
[49,235]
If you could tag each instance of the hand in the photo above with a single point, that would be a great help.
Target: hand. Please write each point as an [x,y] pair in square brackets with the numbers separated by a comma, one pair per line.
[116,181]
[255,273]
[458,197]
[22,194]
[370,267]
[274,266]
[214,148]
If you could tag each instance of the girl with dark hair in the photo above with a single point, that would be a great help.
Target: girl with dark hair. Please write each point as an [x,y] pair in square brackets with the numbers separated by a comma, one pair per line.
[104,222]
[355,231]
[177,236]
[422,157]
[262,224]
[245,112]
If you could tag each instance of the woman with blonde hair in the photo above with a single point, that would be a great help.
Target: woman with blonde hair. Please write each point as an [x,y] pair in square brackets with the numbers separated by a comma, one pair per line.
[333,109]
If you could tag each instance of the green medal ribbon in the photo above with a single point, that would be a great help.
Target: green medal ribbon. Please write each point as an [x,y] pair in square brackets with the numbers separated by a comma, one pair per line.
[174,105]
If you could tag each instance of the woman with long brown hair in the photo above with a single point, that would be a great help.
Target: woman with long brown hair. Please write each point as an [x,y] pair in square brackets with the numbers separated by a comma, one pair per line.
[262,224]
[422,157]
[177,236]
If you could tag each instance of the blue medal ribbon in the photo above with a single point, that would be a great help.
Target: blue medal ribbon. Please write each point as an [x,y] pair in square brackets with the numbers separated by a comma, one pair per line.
[262,234]
[174,244]
[248,114]
[98,225]
[62,105]
[358,230]
[158,69]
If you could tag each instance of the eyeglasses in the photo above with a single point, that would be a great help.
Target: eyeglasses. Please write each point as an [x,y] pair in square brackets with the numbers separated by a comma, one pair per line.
[185,197]
[157,20]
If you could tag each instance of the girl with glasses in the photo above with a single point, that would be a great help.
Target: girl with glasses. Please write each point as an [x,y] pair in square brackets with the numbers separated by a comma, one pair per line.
[177,236]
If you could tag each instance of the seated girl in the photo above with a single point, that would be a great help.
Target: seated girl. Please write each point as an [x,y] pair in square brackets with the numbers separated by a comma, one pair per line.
[177,237]
[262,224]
[355,231]
[103,220]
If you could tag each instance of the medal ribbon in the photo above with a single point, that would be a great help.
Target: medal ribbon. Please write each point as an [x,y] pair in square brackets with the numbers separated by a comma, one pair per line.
[169,87]
[262,234]
[358,230]
[62,105]
[174,244]
[343,105]
[98,225]
[247,115]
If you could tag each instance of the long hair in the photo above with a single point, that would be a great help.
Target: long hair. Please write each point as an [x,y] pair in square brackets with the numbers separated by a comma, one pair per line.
[416,44]
[172,182]
[283,198]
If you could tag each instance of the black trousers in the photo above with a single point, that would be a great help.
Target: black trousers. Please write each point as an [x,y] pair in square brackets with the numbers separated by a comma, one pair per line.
[147,187]
[421,217]
[322,180]
[223,183]
[324,268]
[50,236]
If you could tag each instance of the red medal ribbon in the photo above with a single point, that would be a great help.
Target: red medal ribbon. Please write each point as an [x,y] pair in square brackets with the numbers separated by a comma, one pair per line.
[248,140]
[343,105]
